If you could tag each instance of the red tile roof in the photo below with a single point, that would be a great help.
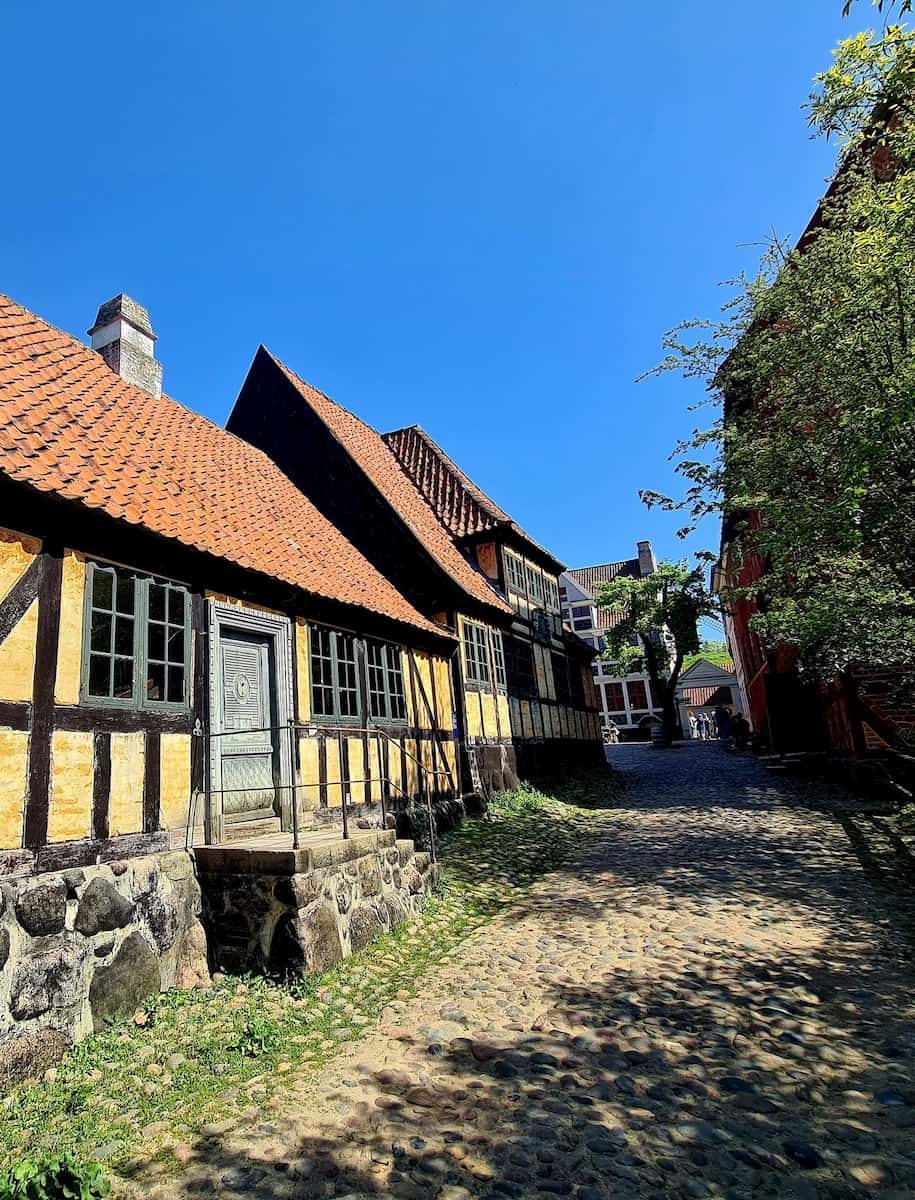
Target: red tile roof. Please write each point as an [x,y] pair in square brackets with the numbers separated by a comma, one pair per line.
[463,508]
[72,427]
[377,462]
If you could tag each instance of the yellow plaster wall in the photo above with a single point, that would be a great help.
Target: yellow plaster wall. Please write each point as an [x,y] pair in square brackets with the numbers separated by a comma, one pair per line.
[443,692]
[302,667]
[527,724]
[412,767]
[221,599]
[375,769]
[474,714]
[547,713]
[16,553]
[17,658]
[504,718]
[309,796]
[537,719]
[356,769]
[333,772]
[70,806]
[69,643]
[175,779]
[539,673]
[394,768]
[125,813]
[14,756]
[424,717]
[488,706]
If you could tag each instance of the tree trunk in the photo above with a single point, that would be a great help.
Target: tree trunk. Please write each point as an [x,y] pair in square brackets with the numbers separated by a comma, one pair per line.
[668,716]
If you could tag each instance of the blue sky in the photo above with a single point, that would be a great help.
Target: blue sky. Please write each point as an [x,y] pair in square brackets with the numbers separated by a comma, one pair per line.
[477,217]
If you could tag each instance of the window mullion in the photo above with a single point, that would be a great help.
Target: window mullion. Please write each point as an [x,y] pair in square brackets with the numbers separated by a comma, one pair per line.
[186,694]
[334,676]
[387,659]
[140,640]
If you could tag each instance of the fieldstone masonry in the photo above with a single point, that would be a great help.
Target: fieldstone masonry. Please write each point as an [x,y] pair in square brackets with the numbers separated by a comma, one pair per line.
[81,946]
[304,910]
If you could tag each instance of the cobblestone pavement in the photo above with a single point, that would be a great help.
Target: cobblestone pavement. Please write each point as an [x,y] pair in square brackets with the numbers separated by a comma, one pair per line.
[711,1000]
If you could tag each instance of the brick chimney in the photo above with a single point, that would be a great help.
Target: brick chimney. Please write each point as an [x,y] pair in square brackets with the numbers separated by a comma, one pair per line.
[123,336]
[647,563]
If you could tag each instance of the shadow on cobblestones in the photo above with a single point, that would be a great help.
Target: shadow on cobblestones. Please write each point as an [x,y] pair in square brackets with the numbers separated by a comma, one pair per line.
[710,1001]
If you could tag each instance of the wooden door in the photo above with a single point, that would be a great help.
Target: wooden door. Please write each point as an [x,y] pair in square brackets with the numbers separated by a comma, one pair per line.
[248,746]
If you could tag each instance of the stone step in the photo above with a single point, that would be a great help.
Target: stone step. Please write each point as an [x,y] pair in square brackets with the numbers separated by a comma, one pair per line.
[239,831]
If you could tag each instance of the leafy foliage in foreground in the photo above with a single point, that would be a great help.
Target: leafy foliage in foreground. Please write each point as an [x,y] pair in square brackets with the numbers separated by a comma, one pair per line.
[812,366]
[191,1059]
[58,1177]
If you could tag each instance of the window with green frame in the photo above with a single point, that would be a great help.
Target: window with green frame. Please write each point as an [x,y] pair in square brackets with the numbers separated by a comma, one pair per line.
[136,640]
[514,573]
[498,658]
[384,666]
[334,675]
[476,654]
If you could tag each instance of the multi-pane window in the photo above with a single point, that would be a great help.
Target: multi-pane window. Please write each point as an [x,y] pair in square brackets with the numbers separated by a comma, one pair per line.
[551,593]
[334,676]
[561,678]
[476,657]
[534,584]
[514,571]
[498,658]
[137,644]
[638,698]
[165,642]
[322,673]
[385,682]
[347,685]
[519,667]
[614,695]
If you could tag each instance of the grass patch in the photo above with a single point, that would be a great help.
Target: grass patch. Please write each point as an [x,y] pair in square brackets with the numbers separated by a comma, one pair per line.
[191,1059]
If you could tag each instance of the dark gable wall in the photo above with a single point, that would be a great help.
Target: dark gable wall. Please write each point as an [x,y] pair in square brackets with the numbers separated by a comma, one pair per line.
[271,415]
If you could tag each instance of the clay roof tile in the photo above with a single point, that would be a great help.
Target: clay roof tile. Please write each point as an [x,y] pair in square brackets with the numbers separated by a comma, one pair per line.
[70,426]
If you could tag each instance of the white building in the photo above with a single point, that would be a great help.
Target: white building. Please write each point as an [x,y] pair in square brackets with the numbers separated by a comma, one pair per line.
[704,688]
[625,699]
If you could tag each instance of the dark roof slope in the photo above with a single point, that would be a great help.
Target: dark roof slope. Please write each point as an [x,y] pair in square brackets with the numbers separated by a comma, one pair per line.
[590,577]
[72,427]
[463,508]
[368,450]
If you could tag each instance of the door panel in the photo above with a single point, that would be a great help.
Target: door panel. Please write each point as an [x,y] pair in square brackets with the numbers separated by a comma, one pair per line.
[248,752]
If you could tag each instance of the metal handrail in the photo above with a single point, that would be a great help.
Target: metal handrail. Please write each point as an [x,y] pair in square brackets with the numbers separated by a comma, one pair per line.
[293,726]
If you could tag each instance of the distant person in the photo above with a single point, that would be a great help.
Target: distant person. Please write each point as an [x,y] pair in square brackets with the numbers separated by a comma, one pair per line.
[702,727]
[693,727]
[722,720]
[740,729]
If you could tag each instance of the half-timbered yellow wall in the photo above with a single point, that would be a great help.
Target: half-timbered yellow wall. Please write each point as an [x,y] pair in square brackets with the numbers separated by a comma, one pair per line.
[17,669]
[73,770]
[485,706]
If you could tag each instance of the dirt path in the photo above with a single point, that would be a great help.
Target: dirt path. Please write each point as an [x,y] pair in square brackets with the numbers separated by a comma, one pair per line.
[712,1000]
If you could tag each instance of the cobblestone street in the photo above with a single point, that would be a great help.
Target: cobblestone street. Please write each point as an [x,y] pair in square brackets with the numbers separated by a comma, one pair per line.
[712,999]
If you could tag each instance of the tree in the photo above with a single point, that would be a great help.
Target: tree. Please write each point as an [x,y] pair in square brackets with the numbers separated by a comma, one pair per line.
[656,623]
[811,455]
[888,6]
[713,646]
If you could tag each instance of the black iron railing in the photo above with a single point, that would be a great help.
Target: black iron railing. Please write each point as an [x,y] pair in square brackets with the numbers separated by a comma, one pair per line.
[428,776]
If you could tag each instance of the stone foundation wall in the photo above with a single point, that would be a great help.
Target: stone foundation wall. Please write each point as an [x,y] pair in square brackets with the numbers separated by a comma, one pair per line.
[305,910]
[80,946]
